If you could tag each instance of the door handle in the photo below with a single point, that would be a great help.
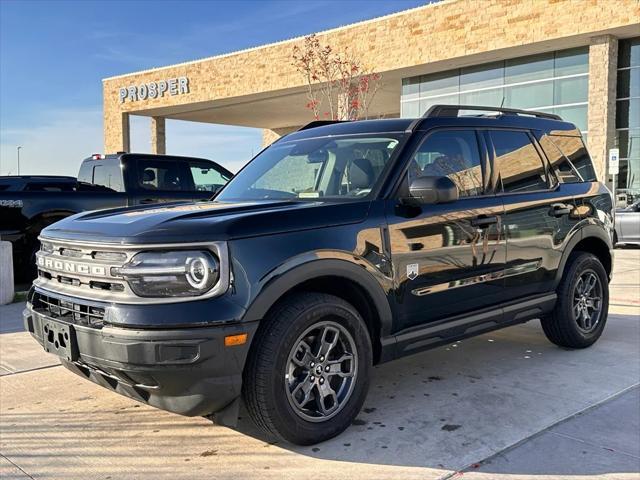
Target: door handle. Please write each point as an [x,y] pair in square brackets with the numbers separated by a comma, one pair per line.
[559,209]
[147,201]
[484,221]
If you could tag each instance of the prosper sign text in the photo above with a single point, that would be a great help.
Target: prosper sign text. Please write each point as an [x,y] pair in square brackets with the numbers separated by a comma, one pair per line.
[143,91]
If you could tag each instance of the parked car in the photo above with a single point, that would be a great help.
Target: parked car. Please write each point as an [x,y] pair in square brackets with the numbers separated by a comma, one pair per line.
[340,246]
[627,225]
[30,203]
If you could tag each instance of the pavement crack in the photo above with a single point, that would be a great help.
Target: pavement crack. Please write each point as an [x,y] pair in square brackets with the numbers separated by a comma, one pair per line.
[17,466]
[30,370]
[581,440]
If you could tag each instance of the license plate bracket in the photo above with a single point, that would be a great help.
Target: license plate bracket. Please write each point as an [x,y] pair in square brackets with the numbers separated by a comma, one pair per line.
[60,339]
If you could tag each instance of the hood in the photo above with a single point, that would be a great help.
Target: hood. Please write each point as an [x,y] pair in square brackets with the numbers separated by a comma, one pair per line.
[204,221]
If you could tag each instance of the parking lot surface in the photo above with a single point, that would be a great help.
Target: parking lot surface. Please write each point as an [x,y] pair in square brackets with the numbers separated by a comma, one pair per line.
[503,405]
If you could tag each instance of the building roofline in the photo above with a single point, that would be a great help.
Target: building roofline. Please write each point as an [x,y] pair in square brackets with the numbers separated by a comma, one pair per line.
[431,3]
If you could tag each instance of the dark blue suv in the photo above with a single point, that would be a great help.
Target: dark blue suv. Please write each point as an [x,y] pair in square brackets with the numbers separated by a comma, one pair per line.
[340,246]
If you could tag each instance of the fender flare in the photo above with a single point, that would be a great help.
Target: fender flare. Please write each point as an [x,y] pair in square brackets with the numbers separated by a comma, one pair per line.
[588,231]
[280,285]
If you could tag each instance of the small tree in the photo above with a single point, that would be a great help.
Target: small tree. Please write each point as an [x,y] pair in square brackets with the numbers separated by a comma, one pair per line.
[339,87]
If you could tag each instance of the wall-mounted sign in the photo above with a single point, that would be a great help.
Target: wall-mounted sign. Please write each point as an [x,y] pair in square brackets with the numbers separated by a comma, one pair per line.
[170,86]
[614,161]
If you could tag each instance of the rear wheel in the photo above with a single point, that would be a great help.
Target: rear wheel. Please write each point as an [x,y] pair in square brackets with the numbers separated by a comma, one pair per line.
[308,374]
[580,314]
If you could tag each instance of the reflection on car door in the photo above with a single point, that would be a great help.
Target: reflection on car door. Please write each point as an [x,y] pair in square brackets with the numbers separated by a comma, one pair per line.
[537,212]
[447,258]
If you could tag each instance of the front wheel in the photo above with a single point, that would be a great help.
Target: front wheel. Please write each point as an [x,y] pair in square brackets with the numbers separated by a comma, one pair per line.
[580,314]
[308,373]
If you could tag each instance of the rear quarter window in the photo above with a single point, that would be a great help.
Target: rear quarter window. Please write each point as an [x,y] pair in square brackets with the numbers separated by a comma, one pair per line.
[569,158]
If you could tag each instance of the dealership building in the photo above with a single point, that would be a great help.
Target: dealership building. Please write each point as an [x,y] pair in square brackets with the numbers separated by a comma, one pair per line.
[578,59]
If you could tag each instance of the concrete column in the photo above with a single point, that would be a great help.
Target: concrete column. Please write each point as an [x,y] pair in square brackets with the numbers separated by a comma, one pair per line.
[158,136]
[603,64]
[271,135]
[6,273]
[117,133]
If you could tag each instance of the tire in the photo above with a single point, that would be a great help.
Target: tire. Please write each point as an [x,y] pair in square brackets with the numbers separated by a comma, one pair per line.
[568,326]
[282,369]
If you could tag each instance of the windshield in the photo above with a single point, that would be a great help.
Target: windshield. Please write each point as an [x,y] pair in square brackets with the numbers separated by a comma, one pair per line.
[346,167]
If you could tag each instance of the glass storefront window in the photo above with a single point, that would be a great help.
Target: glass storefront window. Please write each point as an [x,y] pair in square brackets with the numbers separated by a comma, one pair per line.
[489,98]
[629,53]
[628,119]
[571,62]
[410,109]
[549,81]
[482,76]
[576,114]
[570,90]
[525,69]
[410,88]
[529,96]
[629,83]
[439,83]
[628,113]
[629,143]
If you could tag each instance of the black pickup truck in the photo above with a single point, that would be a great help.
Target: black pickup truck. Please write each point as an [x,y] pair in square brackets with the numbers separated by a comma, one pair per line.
[30,203]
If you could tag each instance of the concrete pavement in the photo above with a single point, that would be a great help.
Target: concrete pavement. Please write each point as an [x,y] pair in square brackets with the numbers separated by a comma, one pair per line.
[504,405]
[602,441]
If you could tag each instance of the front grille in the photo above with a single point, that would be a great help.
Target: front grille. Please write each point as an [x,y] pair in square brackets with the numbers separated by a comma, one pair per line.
[87,271]
[72,312]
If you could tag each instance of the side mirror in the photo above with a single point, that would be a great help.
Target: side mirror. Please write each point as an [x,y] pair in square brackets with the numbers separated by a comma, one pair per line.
[430,190]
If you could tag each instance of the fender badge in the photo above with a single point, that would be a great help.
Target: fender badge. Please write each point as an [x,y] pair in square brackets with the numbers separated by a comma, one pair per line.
[412,271]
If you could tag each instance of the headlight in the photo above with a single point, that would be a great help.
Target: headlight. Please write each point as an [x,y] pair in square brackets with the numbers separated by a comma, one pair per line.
[171,274]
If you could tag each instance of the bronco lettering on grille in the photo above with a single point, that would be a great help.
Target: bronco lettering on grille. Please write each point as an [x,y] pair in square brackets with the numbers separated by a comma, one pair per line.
[72,267]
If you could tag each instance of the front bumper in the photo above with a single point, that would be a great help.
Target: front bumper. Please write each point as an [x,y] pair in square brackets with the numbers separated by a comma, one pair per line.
[188,371]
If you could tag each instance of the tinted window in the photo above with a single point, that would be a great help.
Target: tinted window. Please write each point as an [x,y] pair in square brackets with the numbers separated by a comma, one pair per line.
[207,179]
[521,168]
[453,154]
[160,175]
[574,159]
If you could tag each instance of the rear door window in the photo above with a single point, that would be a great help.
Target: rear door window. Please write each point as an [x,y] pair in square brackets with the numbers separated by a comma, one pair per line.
[521,167]
[160,175]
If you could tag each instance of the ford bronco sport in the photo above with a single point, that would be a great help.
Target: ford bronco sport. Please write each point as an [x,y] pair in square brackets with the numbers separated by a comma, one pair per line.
[340,246]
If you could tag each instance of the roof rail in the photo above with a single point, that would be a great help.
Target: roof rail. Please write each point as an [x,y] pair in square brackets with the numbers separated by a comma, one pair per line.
[454,111]
[319,123]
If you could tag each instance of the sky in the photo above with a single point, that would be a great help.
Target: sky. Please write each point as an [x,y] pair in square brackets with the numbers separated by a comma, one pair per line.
[54,55]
